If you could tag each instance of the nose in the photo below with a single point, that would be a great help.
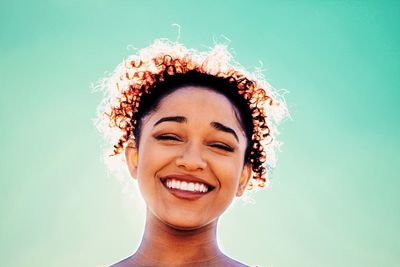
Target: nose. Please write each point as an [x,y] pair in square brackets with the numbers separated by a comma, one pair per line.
[191,158]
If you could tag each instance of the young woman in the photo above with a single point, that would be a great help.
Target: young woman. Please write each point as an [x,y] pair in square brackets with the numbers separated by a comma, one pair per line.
[195,132]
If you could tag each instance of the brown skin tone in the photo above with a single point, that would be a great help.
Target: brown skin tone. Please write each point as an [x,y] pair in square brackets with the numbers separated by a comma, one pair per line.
[182,232]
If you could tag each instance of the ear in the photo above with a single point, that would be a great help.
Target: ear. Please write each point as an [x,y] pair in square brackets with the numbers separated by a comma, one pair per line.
[131,156]
[244,179]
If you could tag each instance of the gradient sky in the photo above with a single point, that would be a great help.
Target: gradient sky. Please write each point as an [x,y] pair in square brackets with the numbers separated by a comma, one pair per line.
[334,199]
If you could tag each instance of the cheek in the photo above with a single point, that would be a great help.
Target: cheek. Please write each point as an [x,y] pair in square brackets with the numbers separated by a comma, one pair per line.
[228,173]
[153,157]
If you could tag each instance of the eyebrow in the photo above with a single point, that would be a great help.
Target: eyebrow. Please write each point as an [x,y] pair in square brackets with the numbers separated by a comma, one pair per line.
[223,128]
[179,119]
[216,125]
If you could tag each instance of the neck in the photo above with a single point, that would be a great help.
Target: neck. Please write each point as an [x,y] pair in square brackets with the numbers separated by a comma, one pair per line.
[162,244]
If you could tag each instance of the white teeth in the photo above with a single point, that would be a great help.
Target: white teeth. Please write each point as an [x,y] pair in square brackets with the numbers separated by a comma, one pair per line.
[186,186]
[202,188]
[191,187]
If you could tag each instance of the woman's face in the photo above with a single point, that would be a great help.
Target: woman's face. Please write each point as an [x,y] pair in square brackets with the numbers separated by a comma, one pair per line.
[190,159]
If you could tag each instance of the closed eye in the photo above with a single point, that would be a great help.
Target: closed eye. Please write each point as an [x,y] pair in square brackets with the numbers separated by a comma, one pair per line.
[167,137]
[223,147]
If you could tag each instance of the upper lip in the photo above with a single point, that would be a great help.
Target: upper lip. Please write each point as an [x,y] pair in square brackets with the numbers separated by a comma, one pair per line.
[187,178]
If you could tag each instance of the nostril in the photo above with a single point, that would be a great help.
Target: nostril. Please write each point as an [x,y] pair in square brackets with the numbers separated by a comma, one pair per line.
[191,163]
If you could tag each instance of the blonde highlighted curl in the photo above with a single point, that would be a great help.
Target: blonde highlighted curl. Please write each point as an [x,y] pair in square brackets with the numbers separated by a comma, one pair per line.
[150,66]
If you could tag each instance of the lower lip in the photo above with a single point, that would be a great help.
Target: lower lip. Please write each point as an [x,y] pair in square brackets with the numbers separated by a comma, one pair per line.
[188,195]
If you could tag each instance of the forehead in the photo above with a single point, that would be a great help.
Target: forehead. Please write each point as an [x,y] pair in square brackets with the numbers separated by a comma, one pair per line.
[203,93]
[199,104]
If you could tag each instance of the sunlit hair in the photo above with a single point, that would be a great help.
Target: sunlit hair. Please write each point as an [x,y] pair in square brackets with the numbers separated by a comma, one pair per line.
[146,71]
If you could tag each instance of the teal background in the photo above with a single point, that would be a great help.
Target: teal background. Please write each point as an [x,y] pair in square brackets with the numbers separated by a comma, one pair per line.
[334,199]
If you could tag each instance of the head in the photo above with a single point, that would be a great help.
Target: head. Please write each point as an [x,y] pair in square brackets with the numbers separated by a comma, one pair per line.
[183,117]
[193,136]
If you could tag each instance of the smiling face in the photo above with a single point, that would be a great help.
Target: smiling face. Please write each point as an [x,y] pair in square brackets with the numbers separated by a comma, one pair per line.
[190,162]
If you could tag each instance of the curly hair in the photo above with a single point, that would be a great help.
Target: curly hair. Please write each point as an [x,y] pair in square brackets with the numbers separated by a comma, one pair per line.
[140,77]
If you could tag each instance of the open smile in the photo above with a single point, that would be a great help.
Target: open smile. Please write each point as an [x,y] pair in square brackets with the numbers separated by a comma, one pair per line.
[186,187]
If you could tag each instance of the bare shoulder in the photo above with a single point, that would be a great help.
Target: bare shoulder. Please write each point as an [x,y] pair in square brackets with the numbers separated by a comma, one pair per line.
[232,263]
[124,263]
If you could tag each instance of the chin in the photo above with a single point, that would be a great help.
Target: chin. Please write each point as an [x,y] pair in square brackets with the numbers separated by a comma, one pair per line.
[186,224]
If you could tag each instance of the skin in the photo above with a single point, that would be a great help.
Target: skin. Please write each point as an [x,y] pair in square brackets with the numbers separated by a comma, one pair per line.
[182,232]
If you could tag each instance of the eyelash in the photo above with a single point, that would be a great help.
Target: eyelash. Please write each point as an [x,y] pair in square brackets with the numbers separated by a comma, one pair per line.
[223,147]
[167,137]
[174,138]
